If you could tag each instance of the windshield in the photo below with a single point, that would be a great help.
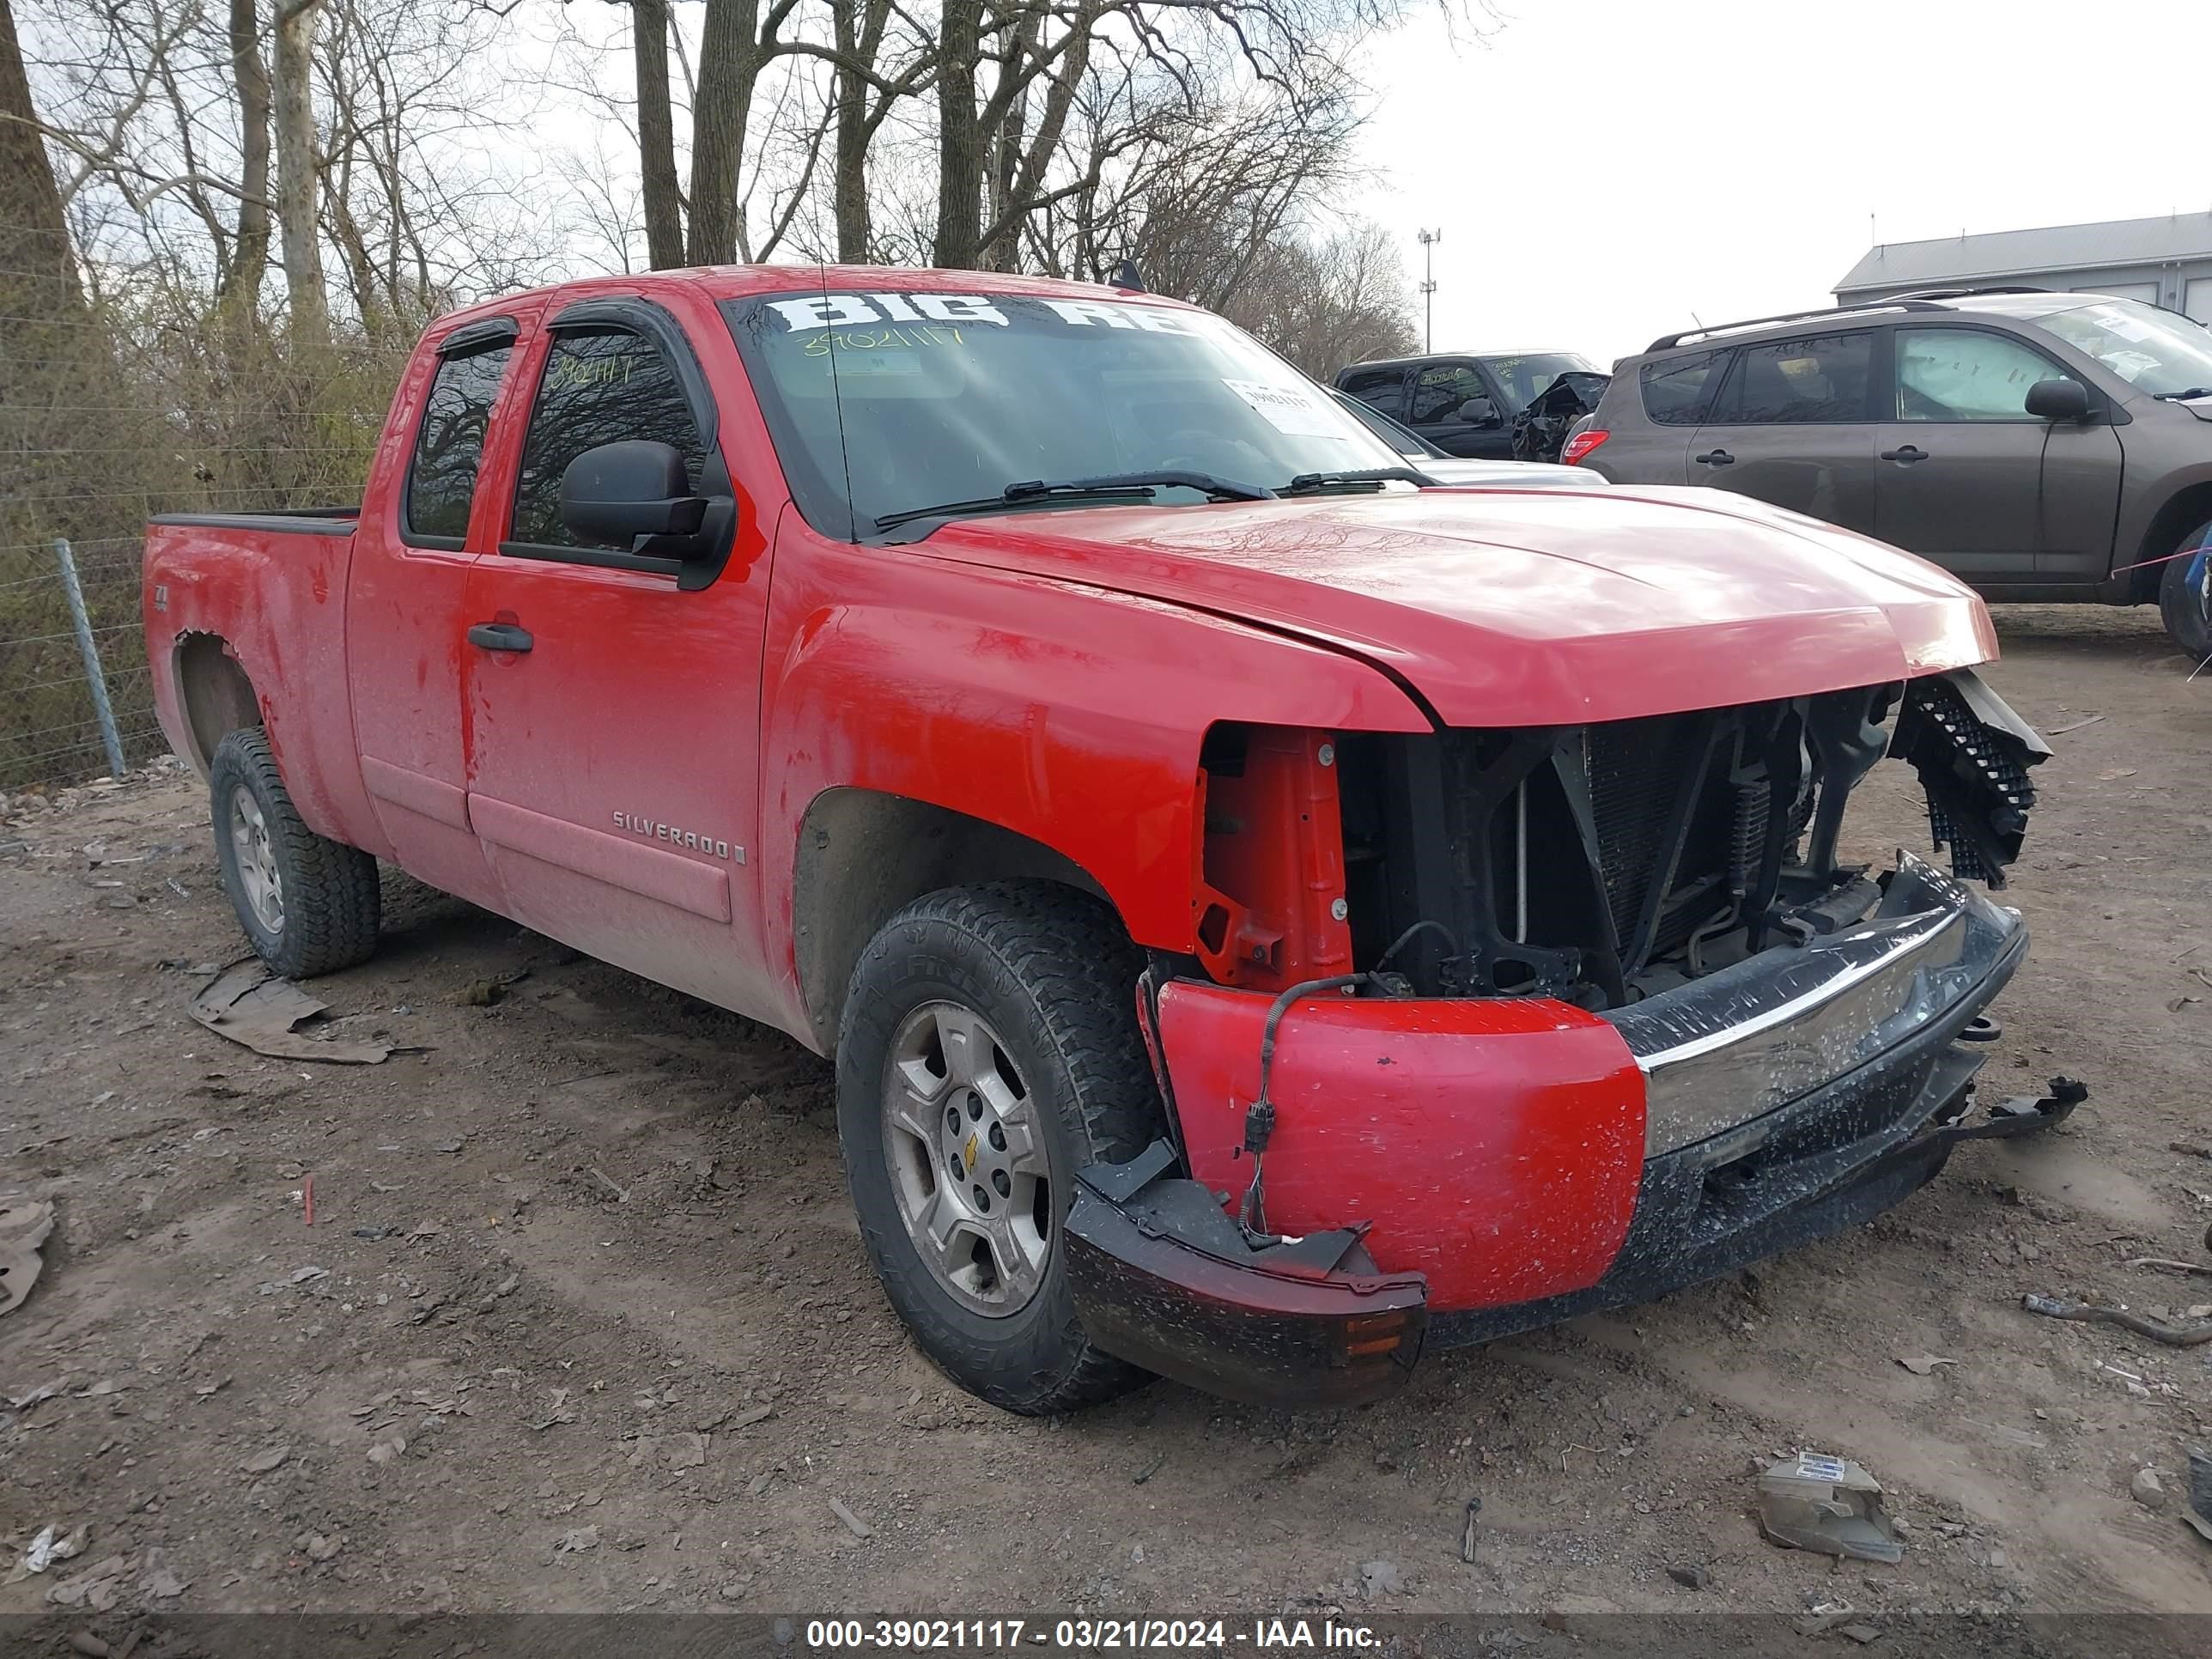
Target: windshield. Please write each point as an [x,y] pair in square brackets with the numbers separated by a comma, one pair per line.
[2160,352]
[945,398]
[1528,377]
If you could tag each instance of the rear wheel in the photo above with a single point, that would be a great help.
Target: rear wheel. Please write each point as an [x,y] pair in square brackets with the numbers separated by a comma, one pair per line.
[2183,605]
[309,905]
[989,1050]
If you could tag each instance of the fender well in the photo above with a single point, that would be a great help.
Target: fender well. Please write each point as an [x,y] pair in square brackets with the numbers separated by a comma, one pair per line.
[2189,507]
[864,854]
[215,694]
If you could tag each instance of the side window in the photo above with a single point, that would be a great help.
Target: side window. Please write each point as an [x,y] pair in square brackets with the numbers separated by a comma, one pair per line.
[441,478]
[1819,380]
[1677,389]
[598,388]
[1382,388]
[1450,392]
[1964,375]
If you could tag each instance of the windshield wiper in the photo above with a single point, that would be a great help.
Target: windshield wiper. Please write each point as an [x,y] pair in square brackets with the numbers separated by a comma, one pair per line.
[1308,484]
[1109,487]
[1227,490]
[2182,396]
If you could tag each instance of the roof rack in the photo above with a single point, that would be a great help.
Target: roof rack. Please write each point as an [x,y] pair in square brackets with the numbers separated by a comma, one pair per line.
[1961,293]
[1919,299]
[1669,342]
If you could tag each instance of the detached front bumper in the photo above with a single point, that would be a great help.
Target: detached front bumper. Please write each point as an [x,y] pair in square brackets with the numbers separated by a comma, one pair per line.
[1522,1162]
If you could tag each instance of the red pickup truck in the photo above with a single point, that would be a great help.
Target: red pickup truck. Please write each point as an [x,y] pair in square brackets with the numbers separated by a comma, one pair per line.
[1270,913]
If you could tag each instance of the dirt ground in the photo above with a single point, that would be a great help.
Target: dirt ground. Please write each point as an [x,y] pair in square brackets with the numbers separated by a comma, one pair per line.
[582,1321]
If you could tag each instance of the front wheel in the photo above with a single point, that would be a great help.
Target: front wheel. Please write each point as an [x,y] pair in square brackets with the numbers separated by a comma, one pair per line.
[308,904]
[2183,603]
[989,1050]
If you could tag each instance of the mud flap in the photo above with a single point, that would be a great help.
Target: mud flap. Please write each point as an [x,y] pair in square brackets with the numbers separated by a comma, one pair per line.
[1972,753]
[1163,1278]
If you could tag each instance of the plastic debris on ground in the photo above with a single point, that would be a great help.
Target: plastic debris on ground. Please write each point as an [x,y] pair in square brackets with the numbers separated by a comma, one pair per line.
[50,1545]
[24,1223]
[2199,1513]
[1816,1502]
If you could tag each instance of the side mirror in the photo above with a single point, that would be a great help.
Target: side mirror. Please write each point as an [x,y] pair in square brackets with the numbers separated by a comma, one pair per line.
[2058,400]
[1480,412]
[617,492]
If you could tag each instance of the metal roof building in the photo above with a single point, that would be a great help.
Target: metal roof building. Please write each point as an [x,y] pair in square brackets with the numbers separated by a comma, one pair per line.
[2167,261]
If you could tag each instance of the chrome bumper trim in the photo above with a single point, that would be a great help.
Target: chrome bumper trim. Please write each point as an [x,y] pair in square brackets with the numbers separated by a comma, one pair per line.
[1738,1043]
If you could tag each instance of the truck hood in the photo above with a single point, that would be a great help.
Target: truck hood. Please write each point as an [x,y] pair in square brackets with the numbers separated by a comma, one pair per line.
[1540,607]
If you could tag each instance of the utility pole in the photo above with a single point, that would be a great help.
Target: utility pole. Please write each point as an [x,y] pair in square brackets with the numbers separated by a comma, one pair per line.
[1428,240]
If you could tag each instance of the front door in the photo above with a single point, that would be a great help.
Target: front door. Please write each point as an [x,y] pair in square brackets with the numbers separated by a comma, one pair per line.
[1968,478]
[1451,406]
[1793,425]
[614,716]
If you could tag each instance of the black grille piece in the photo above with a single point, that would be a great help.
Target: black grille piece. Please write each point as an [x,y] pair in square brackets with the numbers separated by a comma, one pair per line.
[1665,819]
[1975,774]
[1632,797]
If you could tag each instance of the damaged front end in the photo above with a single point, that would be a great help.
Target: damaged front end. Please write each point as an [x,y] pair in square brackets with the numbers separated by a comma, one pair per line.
[1605,864]
[1166,1280]
[1569,1016]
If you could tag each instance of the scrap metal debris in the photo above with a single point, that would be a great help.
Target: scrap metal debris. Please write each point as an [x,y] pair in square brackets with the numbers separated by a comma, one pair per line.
[2174,1336]
[251,1006]
[1815,1502]
[24,1223]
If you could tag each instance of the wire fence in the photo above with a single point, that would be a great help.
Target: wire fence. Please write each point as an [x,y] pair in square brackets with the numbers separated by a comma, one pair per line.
[111,414]
[51,689]
[77,692]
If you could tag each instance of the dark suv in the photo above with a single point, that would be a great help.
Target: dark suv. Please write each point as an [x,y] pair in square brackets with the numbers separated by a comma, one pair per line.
[1462,402]
[2040,446]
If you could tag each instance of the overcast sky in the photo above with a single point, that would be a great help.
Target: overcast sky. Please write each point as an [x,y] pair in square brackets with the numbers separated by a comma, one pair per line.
[1603,168]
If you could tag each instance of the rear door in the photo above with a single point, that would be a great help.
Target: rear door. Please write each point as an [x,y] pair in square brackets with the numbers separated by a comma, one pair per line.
[421,533]
[613,743]
[1650,417]
[1450,405]
[1968,478]
[1793,424]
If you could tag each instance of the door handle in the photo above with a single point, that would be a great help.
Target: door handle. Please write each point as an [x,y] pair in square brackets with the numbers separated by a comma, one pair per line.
[500,636]
[1716,458]
[1907,456]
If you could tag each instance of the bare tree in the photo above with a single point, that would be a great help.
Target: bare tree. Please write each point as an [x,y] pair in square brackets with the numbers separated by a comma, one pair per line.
[735,43]
[296,218]
[656,135]
[41,279]
[249,259]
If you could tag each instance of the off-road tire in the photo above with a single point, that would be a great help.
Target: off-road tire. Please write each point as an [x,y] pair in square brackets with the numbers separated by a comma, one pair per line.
[2181,604]
[332,901]
[1050,970]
